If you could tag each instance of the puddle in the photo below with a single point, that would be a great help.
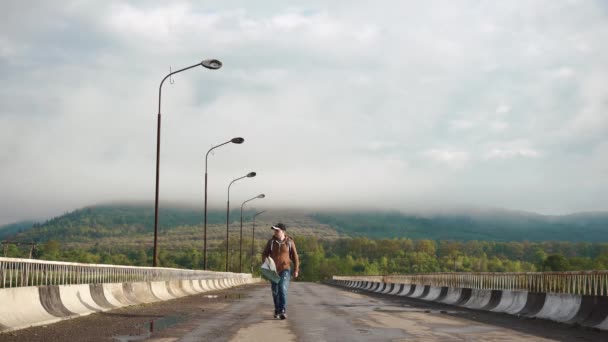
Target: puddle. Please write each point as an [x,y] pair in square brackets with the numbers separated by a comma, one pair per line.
[147,329]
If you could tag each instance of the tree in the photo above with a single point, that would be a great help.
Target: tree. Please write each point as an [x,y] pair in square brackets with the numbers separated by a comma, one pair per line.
[50,250]
[556,263]
[426,246]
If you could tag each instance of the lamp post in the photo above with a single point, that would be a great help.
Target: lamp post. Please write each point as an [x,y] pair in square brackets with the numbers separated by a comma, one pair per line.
[234,141]
[253,238]
[241,238]
[249,175]
[212,64]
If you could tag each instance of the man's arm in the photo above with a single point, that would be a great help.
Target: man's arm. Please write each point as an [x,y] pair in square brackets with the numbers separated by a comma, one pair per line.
[296,259]
[266,251]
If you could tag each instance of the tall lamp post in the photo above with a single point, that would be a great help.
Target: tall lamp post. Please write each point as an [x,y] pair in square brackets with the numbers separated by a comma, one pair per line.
[249,175]
[212,64]
[241,238]
[234,141]
[253,238]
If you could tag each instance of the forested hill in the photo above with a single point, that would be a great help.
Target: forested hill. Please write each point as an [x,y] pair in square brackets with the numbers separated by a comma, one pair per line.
[113,220]
[127,221]
[488,226]
[14,228]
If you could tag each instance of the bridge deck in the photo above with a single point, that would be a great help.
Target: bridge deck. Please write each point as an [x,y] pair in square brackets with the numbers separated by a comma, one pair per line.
[316,313]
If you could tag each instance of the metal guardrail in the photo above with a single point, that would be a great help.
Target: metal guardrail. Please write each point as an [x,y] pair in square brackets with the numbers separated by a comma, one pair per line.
[593,283]
[28,272]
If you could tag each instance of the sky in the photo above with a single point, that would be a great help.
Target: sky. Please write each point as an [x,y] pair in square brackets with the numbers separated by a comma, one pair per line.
[401,105]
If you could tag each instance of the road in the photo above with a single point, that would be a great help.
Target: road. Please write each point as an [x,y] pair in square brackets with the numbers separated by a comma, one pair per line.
[316,312]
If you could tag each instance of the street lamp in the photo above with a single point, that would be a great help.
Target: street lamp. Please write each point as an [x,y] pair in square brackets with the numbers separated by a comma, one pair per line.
[253,237]
[234,141]
[212,64]
[249,175]
[241,238]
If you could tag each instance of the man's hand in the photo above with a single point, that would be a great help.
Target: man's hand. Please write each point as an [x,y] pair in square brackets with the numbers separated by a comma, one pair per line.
[295,274]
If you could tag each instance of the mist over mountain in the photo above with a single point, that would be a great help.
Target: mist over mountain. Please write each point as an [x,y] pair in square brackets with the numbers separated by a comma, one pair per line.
[137,220]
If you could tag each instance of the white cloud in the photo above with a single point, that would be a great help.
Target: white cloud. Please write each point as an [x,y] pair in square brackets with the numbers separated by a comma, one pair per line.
[510,150]
[325,94]
[447,156]
[510,153]
[503,109]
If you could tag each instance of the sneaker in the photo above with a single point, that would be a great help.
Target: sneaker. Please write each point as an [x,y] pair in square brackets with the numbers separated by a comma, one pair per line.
[283,316]
[276,315]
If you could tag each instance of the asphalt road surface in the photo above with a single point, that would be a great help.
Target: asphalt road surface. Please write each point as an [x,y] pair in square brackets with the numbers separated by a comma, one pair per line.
[316,312]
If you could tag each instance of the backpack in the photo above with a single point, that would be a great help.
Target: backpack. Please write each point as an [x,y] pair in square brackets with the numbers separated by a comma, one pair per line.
[288,244]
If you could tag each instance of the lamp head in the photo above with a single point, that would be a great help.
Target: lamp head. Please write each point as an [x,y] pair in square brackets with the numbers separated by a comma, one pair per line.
[238,140]
[212,64]
[251,174]
[261,196]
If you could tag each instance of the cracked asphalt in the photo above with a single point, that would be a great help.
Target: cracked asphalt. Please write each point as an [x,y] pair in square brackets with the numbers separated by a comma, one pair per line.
[316,312]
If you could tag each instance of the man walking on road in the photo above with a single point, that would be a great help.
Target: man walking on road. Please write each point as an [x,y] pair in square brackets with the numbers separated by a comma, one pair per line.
[282,249]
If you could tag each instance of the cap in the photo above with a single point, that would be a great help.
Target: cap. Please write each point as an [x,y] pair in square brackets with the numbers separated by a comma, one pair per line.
[279,226]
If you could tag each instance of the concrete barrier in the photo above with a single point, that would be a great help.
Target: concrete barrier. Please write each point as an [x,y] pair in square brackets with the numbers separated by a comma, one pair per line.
[186,286]
[137,293]
[432,294]
[589,311]
[376,286]
[452,296]
[479,299]
[396,289]
[99,297]
[593,312]
[405,290]
[159,289]
[204,285]
[115,295]
[388,288]
[174,288]
[211,284]
[77,299]
[506,300]
[442,294]
[520,298]
[495,297]
[465,296]
[534,303]
[418,291]
[21,308]
[560,307]
[51,301]
[196,285]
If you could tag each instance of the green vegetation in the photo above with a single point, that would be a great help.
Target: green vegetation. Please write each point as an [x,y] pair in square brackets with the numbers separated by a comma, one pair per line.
[358,256]
[14,228]
[491,226]
[362,256]
[329,244]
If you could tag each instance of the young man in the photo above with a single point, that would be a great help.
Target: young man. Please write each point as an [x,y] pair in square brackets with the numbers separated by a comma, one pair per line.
[282,249]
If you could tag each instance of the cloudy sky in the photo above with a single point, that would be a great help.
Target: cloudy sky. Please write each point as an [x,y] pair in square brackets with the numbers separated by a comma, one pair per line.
[404,105]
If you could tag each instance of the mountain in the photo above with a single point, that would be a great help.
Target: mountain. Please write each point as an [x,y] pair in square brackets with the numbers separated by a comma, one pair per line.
[130,225]
[14,228]
[492,225]
[133,224]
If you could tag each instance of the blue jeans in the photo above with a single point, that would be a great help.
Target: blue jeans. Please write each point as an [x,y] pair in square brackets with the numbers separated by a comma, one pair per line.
[279,292]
